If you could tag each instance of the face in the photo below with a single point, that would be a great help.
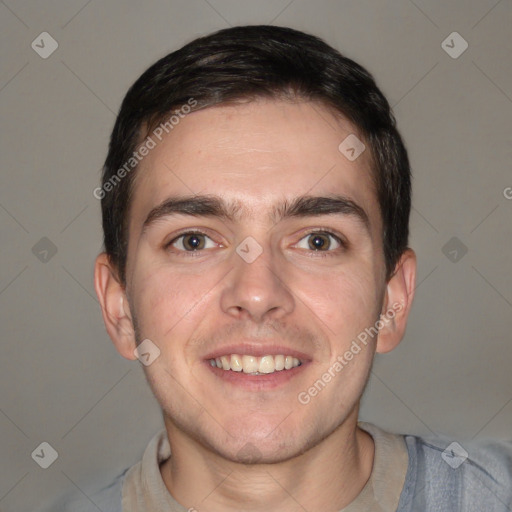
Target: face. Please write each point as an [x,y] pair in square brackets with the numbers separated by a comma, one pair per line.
[281,264]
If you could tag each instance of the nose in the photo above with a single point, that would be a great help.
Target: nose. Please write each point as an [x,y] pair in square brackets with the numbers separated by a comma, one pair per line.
[256,290]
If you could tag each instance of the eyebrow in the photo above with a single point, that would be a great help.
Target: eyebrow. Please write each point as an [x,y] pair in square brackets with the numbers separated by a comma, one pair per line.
[214,206]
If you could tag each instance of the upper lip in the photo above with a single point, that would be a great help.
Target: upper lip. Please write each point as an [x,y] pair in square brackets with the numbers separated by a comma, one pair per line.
[258,349]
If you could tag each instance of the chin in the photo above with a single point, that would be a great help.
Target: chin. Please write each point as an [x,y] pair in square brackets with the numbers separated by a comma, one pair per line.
[268,445]
[252,453]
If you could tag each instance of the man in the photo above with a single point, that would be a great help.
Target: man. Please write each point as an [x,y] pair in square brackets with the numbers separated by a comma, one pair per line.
[255,202]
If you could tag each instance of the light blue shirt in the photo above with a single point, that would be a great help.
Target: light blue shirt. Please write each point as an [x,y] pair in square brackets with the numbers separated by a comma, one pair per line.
[437,480]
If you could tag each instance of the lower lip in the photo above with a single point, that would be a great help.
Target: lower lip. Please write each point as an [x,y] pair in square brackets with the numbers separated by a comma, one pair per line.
[257,382]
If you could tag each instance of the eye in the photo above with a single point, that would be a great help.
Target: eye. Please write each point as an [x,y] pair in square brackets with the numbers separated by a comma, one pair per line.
[320,241]
[192,241]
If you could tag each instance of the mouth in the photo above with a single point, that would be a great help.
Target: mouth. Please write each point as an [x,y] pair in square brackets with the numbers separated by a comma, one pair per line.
[254,365]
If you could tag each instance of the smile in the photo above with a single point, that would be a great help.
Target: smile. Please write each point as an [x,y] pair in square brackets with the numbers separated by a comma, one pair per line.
[254,365]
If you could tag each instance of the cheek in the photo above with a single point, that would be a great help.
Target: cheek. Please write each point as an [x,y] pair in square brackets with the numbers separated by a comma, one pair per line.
[346,301]
[170,302]
[162,300]
[167,307]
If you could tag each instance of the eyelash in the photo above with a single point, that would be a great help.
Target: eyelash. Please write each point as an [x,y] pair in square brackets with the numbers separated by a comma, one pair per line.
[190,254]
[325,254]
[313,253]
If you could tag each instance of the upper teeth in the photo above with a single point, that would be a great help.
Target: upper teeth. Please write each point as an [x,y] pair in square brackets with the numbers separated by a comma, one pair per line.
[253,364]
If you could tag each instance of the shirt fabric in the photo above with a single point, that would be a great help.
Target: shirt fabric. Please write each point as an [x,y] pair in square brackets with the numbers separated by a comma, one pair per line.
[409,474]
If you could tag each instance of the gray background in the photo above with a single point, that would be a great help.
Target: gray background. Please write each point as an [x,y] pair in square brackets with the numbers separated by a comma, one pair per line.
[62,380]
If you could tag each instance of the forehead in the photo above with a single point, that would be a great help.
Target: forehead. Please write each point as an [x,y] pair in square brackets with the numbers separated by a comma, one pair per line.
[256,154]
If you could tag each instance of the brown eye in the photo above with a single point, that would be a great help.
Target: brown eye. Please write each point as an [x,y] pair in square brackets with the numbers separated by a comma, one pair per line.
[192,242]
[320,241]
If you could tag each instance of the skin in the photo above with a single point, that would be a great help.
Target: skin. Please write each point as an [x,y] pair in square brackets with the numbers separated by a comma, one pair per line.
[260,153]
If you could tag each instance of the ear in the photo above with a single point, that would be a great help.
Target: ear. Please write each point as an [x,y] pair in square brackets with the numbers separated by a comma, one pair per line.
[397,303]
[114,307]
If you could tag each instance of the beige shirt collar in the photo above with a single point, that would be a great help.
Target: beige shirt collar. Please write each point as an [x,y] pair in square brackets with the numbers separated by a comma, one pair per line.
[144,489]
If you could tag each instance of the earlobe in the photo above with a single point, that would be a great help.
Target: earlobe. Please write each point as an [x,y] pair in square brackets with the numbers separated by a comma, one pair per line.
[114,307]
[397,303]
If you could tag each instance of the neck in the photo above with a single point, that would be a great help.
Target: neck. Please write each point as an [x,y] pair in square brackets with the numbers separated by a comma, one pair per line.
[327,477]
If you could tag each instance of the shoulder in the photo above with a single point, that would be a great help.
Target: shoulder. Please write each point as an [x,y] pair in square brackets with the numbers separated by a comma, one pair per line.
[107,498]
[469,476]
[131,484]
